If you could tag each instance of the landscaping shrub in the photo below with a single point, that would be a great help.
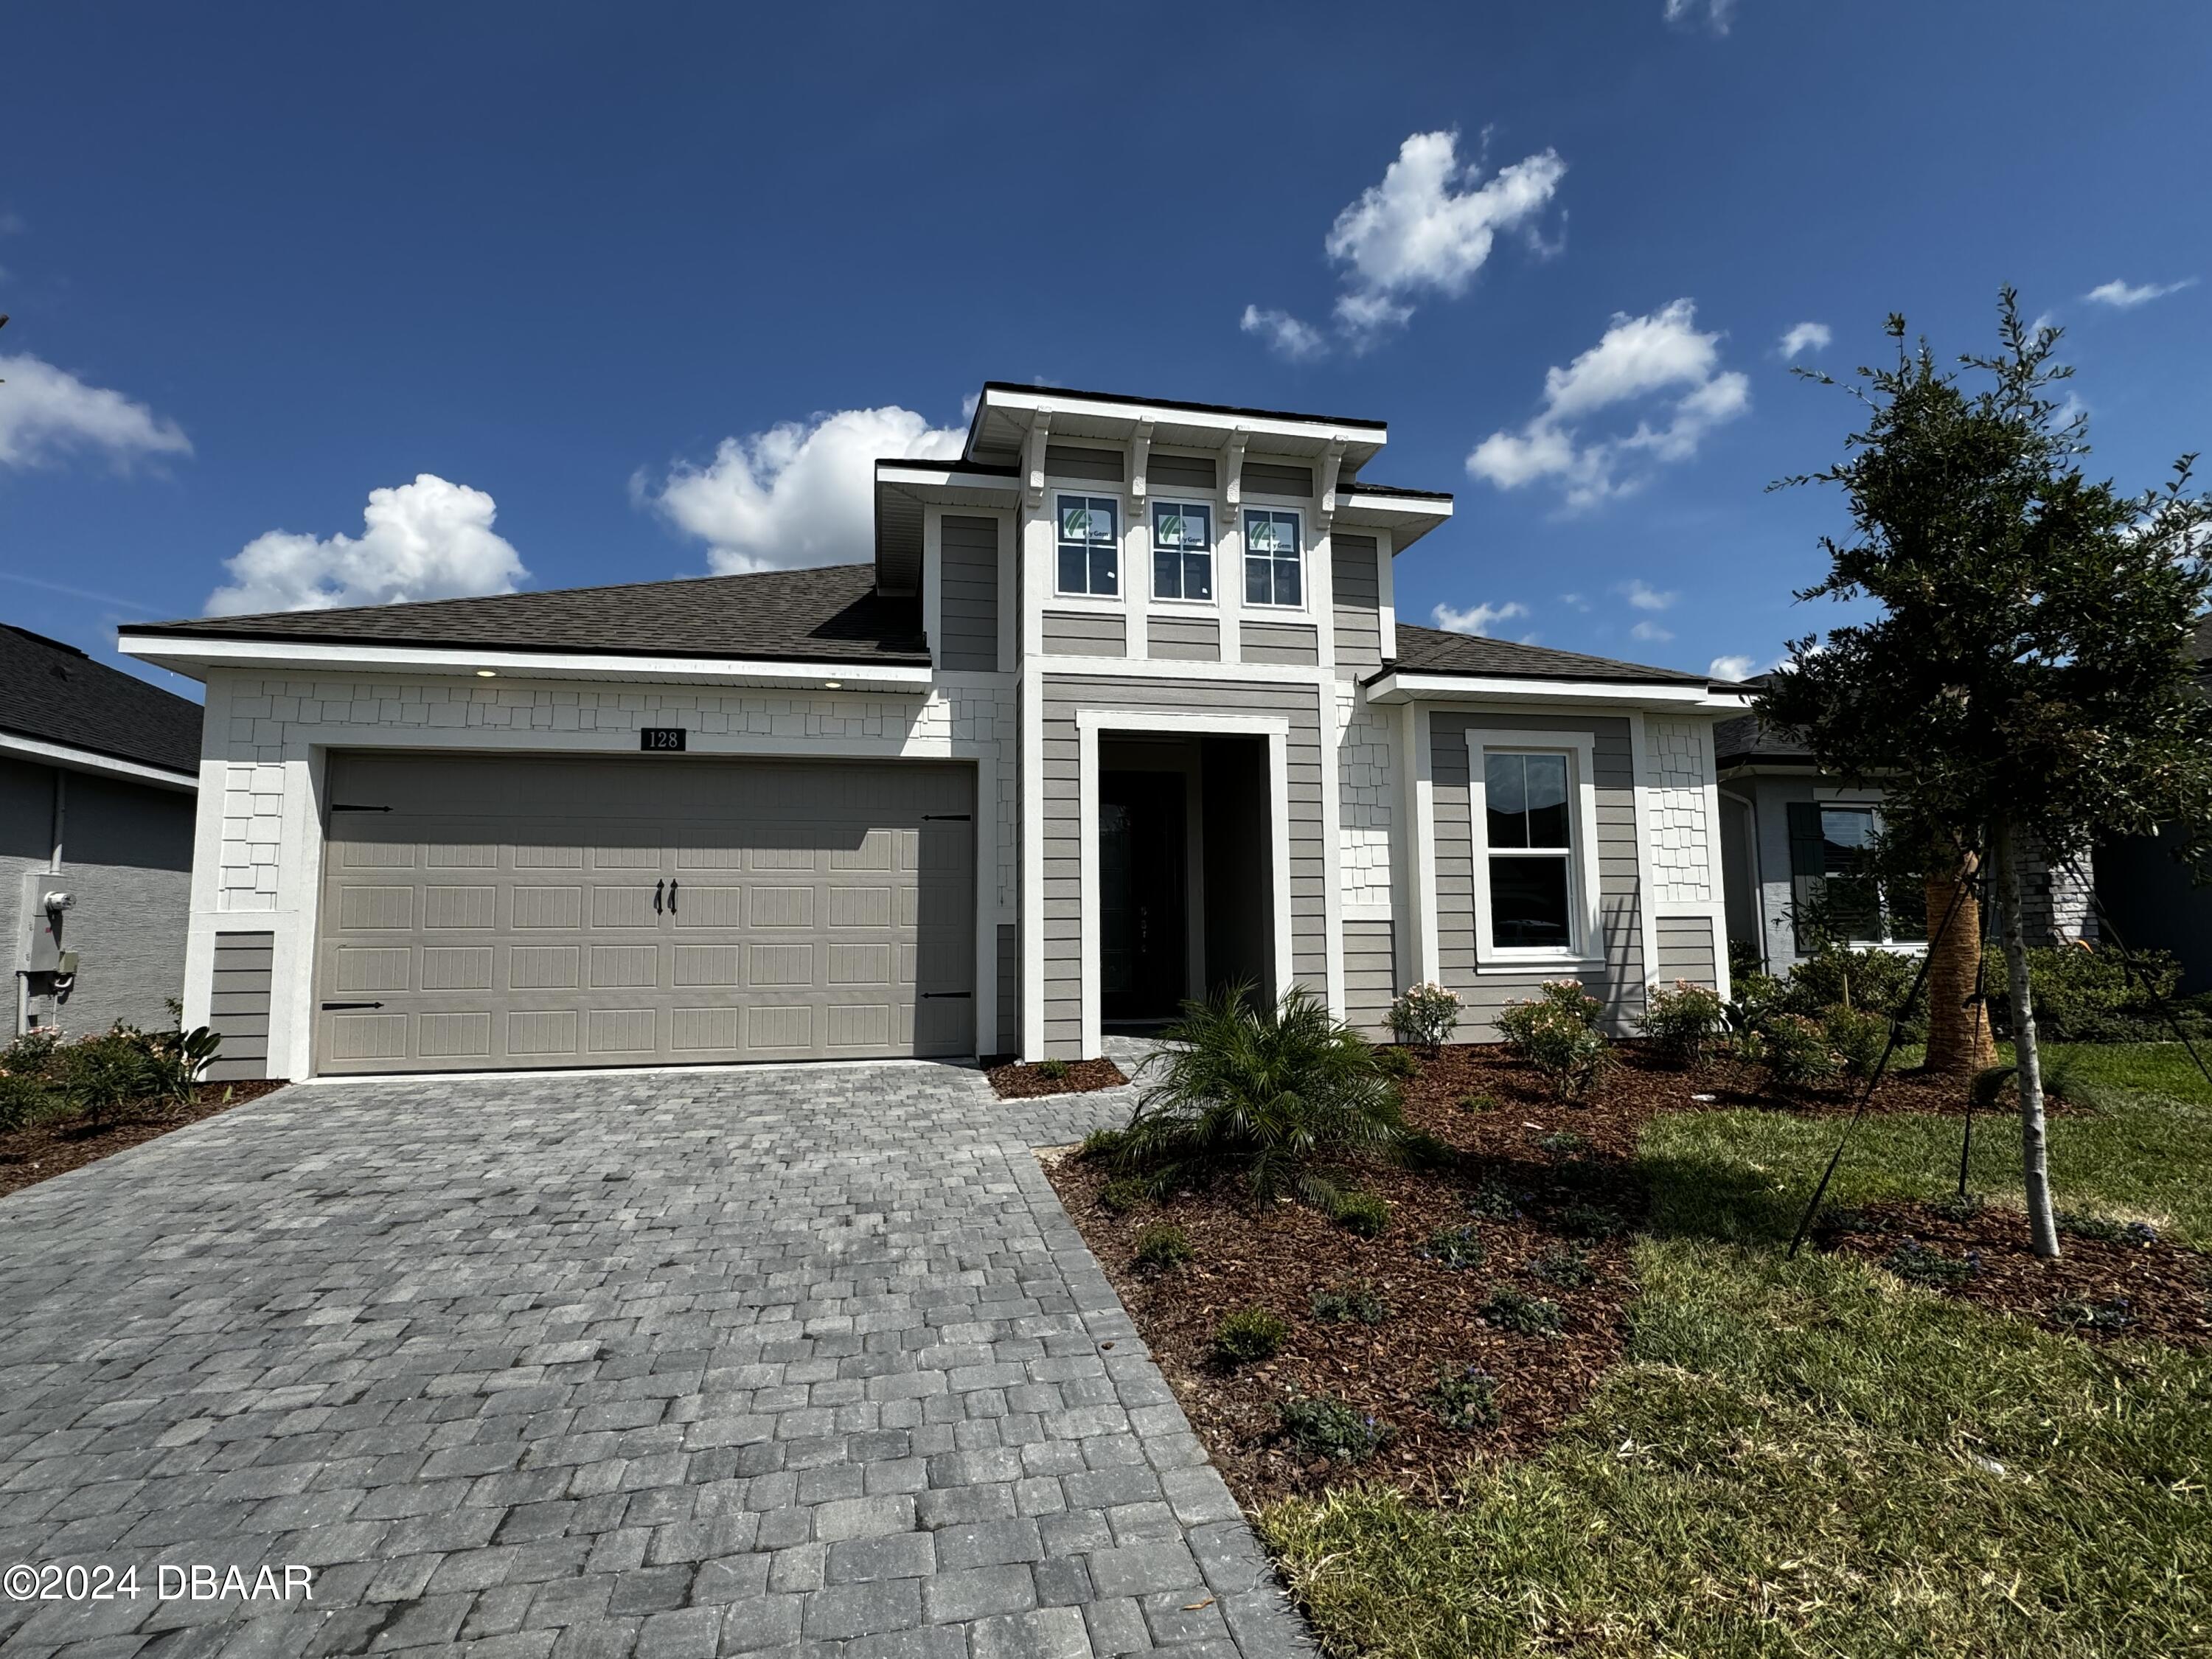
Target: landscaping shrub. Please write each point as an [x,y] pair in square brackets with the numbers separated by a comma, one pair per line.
[2106,1231]
[1427,1015]
[1561,1143]
[1858,1037]
[1959,1207]
[1362,1215]
[28,1056]
[2093,1316]
[1248,1336]
[1162,1245]
[1261,1090]
[1100,1143]
[1796,1051]
[1426,1154]
[1557,1035]
[1456,1248]
[1122,1194]
[1477,1103]
[1052,1070]
[1511,1309]
[1875,980]
[1468,1401]
[1494,1200]
[1916,1264]
[1331,1429]
[24,1100]
[2081,994]
[1579,1219]
[1351,1303]
[97,1074]
[1683,1022]
[1569,1269]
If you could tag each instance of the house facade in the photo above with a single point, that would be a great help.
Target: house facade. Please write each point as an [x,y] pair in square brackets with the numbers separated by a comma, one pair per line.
[98,772]
[1120,711]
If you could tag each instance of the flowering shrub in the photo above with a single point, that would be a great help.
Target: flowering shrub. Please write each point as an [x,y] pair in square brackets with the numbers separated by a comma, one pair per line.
[1427,1014]
[1557,1033]
[1859,1035]
[1468,1401]
[1796,1051]
[1682,1021]
[1330,1428]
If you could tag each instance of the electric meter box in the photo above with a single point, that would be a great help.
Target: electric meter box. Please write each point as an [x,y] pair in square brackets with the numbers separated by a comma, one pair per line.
[44,935]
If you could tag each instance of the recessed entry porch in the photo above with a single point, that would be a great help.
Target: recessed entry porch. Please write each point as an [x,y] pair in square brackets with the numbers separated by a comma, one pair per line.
[1186,866]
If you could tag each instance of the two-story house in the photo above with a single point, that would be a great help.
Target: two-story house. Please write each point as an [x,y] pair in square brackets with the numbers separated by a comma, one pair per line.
[1122,710]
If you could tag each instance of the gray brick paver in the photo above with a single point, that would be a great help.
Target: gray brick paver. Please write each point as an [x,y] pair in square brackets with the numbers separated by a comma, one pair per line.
[800,1360]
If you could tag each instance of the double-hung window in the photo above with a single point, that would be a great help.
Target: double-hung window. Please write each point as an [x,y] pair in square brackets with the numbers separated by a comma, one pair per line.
[1182,550]
[1090,546]
[1837,891]
[1530,825]
[1272,559]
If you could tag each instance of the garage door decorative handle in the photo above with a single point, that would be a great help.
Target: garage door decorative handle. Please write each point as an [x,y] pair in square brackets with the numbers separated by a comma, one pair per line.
[329,1005]
[672,898]
[657,886]
[961,996]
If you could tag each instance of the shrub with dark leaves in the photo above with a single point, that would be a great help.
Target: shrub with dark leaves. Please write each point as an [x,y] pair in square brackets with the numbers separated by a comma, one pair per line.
[1511,1309]
[2104,1229]
[1332,1429]
[1494,1200]
[1122,1194]
[1456,1248]
[1466,1400]
[1859,1038]
[2093,1316]
[1683,1022]
[1580,1219]
[1916,1264]
[1355,1303]
[1795,1050]
[1361,1214]
[1569,1269]
[1161,1246]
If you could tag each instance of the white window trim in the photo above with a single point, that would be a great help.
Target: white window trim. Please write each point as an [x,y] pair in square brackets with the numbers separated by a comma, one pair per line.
[1214,513]
[1268,607]
[1116,601]
[1586,949]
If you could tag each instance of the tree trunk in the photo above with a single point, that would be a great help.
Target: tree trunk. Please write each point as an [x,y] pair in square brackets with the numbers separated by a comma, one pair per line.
[2035,1156]
[1959,1041]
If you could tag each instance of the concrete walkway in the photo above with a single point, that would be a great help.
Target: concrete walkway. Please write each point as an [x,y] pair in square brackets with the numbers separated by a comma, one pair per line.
[790,1361]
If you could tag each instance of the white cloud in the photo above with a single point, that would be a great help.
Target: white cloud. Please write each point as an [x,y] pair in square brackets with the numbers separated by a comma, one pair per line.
[1637,361]
[1720,14]
[1641,594]
[1807,336]
[46,412]
[801,493]
[1480,619]
[426,540]
[2122,297]
[1428,226]
[1285,333]
[1576,600]
[1648,629]
[1730,668]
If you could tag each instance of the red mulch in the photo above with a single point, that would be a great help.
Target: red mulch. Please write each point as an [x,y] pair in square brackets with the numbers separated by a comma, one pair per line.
[2156,1290]
[44,1151]
[1017,1081]
[1280,1256]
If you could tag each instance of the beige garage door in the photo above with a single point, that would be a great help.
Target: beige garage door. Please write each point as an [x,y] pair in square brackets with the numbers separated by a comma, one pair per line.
[484,913]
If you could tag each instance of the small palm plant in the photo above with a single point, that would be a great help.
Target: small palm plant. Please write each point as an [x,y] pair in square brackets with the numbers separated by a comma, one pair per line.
[1261,1090]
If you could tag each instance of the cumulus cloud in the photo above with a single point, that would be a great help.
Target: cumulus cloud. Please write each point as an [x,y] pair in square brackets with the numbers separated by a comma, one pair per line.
[426,540]
[1641,594]
[2122,296]
[1284,333]
[1807,336]
[46,413]
[1648,629]
[1737,667]
[1478,619]
[1718,14]
[801,493]
[1661,361]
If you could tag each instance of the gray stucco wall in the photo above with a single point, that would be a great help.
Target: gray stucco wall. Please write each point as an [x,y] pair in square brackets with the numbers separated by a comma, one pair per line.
[127,858]
[1065,697]
[1618,978]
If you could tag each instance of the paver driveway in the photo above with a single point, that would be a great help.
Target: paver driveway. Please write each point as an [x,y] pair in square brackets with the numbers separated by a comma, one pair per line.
[802,1361]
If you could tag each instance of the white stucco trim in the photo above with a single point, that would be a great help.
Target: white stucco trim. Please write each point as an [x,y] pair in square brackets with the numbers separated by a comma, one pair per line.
[70,758]
[1335,716]
[1170,668]
[1398,686]
[1034,537]
[1386,593]
[1089,722]
[1419,954]
[1646,907]
[1588,948]
[984,843]
[933,582]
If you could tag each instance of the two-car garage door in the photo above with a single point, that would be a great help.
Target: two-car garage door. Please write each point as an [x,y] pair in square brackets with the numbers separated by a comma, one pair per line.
[493,912]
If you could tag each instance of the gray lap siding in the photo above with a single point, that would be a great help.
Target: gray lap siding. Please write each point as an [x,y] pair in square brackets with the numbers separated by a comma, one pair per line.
[1371,975]
[1617,979]
[1060,949]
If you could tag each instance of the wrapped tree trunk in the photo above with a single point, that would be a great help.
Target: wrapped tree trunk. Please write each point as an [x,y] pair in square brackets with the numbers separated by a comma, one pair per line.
[1959,1040]
[2035,1155]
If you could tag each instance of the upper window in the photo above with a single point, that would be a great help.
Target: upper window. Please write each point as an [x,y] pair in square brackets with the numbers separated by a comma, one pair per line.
[1090,548]
[1837,891]
[1271,563]
[1183,551]
[1531,837]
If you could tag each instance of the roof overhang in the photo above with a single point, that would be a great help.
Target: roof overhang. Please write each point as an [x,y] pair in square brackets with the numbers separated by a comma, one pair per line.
[1004,415]
[197,655]
[1404,518]
[43,752]
[1396,686]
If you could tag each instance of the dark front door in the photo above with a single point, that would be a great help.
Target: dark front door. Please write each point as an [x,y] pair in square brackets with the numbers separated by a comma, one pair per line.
[1143,911]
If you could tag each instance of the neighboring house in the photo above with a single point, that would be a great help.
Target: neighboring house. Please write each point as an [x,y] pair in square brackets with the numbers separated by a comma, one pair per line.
[98,772]
[1120,711]
[1792,836]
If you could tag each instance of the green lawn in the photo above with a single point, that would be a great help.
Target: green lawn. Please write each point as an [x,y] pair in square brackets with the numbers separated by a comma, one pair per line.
[1805,1457]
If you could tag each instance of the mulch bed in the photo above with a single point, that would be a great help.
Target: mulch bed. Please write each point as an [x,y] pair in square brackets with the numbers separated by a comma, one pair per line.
[1017,1081]
[44,1151]
[2098,1288]
[1565,1170]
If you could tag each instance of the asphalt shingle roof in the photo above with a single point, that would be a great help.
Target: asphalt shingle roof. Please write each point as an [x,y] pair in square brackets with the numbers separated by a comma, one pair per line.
[831,613]
[1748,739]
[1432,651]
[55,693]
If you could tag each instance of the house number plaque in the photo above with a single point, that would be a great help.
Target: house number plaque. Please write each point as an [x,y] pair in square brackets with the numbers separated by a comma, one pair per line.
[661,740]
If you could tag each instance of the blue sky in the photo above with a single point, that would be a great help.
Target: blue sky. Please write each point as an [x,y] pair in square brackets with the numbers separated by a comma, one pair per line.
[634,290]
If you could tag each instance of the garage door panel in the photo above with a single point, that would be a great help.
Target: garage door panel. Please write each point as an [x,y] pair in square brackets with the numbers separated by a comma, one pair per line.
[828,898]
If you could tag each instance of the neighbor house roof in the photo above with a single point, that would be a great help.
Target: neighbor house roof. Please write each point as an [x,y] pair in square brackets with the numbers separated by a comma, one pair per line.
[831,613]
[1748,740]
[1432,651]
[53,693]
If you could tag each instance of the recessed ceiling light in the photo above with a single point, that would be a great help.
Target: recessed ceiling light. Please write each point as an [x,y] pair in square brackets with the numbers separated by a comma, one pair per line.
[487,673]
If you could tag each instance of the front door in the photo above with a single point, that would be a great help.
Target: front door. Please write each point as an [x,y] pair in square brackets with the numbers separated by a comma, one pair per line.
[1144,907]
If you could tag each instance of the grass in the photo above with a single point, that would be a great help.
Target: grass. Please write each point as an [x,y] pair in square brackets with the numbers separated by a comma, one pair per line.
[1799,1458]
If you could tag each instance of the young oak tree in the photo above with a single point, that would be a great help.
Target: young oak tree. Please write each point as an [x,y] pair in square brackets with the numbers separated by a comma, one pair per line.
[2026,683]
